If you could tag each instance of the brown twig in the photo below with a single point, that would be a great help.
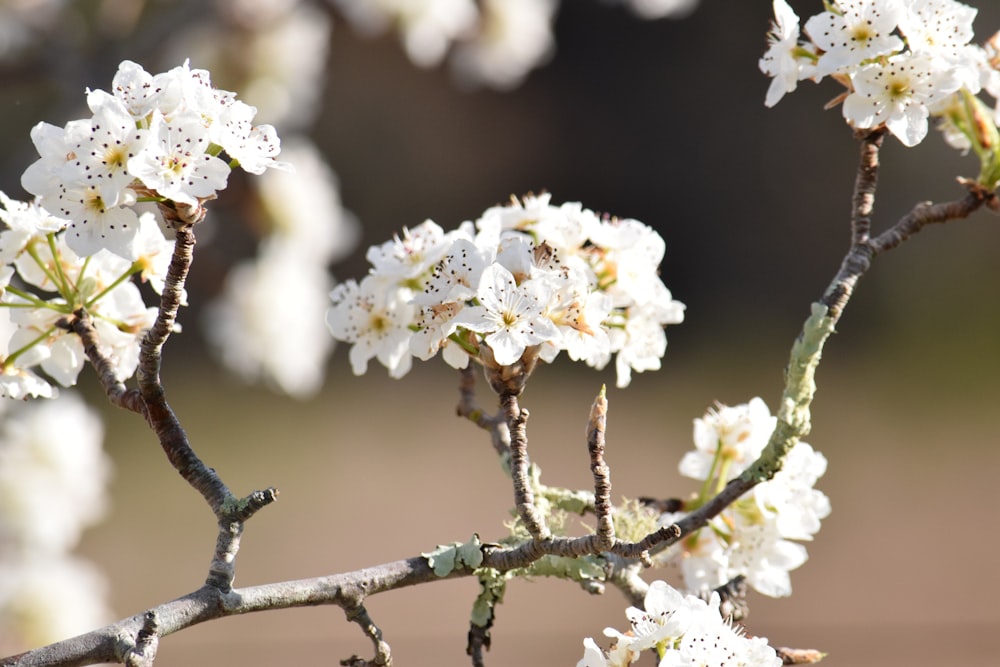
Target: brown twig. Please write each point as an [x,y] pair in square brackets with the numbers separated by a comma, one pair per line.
[496,425]
[926,213]
[383,655]
[596,427]
[524,496]
[158,413]
[118,394]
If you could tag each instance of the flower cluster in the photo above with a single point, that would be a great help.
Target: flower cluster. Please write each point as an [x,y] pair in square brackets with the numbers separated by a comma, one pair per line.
[902,61]
[524,282]
[53,485]
[44,282]
[683,630]
[159,138]
[94,224]
[752,537]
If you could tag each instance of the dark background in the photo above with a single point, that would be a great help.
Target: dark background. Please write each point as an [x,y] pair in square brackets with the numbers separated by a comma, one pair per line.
[661,121]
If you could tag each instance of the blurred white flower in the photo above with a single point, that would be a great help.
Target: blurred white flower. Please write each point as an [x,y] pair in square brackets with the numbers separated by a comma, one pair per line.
[53,475]
[512,38]
[49,598]
[266,324]
[304,207]
[427,27]
[657,9]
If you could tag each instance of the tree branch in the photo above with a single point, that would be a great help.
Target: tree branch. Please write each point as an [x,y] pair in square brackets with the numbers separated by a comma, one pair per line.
[469,409]
[524,497]
[118,394]
[605,530]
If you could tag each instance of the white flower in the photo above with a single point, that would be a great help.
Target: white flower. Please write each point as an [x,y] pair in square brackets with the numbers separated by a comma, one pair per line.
[45,177]
[427,26]
[142,93]
[862,31]
[262,325]
[710,641]
[783,60]
[51,597]
[666,615]
[63,357]
[730,438]
[16,380]
[580,315]
[513,37]
[53,475]
[937,26]
[120,317]
[639,345]
[764,557]
[174,162]
[656,9]
[409,257]
[104,149]
[529,275]
[375,321]
[751,536]
[510,314]
[789,497]
[25,221]
[899,94]
[95,224]
[254,147]
[687,632]
[305,208]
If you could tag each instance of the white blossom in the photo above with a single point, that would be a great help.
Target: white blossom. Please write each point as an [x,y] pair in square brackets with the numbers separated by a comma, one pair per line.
[753,537]
[526,275]
[685,630]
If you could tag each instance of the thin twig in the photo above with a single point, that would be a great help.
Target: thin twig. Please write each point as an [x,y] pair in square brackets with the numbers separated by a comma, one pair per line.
[596,427]
[383,655]
[118,394]
[524,497]
[160,416]
[925,213]
[469,409]
[865,184]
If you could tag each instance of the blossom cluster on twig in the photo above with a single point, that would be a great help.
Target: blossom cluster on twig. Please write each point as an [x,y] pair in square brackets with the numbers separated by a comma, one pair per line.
[523,282]
[156,143]
[752,537]
[901,61]
[684,631]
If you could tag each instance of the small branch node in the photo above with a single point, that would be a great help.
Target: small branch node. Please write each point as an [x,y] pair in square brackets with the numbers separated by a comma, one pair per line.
[662,536]
[383,655]
[253,503]
[146,642]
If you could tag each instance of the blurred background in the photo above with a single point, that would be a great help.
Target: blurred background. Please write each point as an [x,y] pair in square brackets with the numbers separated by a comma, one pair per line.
[661,120]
